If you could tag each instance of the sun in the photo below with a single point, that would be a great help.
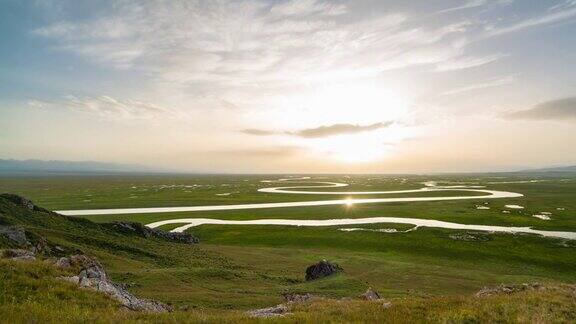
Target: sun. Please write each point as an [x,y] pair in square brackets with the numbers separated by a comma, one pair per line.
[354,103]
[357,104]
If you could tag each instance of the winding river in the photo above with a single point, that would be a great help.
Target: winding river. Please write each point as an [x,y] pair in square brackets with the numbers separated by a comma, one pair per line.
[429,187]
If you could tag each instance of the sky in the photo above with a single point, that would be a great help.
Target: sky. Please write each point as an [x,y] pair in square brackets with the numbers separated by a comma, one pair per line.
[291,86]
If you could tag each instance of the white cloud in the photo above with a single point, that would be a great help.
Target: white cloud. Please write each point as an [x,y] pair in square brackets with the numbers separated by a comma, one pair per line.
[481,85]
[470,4]
[307,7]
[467,5]
[546,19]
[107,107]
[245,42]
[467,62]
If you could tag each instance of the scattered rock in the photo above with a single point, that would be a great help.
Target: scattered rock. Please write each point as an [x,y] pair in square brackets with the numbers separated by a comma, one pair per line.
[278,310]
[41,247]
[321,269]
[470,237]
[62,263]
[19,254]
[508,289]
[296,298]
[370,294]
[146,232]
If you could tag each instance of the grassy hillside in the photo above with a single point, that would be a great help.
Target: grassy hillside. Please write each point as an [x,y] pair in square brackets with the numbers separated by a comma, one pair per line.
[29,293]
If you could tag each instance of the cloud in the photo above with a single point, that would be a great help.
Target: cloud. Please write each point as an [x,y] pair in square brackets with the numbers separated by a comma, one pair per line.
[282,151]
[467,62]
[560,109]
[481,85]
[339,129]
[467,5]
[231,44]
[108,107]
[475,4]
[322,131]
[307,7]
[546,19]
[257,132]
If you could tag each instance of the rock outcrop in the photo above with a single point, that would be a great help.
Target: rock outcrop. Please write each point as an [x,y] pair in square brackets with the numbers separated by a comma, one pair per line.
[18,237]
[146,232]
[321,269]
[21,201]
[16,234]
[93,276]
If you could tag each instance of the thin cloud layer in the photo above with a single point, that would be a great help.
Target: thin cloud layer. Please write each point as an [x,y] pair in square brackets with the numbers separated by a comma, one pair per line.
[481,85]
[468,62]
[561,109]
[339,129]
[322,131]
[108,107]
[555,15]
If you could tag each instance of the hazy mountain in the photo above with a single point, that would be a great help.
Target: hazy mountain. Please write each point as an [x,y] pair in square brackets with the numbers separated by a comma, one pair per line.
[570,168]
[69,167]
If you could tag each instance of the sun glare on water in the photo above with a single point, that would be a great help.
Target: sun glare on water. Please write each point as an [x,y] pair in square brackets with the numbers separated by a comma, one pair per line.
[349,202]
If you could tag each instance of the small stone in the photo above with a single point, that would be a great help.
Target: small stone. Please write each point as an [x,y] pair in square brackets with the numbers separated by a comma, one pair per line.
[370,294]
[63,263]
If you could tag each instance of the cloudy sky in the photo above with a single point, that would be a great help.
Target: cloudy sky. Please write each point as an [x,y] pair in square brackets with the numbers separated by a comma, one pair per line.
[291,86]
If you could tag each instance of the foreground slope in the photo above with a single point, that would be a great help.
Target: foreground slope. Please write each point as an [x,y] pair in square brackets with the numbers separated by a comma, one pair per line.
[150,267]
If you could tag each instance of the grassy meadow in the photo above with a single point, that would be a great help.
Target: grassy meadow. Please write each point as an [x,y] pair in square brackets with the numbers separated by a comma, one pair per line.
[242,267]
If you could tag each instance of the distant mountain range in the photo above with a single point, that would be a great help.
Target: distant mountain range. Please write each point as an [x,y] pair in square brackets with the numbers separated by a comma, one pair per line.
[70,167]
[570,168]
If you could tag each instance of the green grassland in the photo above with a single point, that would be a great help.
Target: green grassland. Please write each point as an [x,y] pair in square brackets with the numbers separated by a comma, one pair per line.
[36,297]
[242,267]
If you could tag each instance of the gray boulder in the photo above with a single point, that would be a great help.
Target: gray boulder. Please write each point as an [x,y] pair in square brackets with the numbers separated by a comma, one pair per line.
[321,269]
[15,234]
